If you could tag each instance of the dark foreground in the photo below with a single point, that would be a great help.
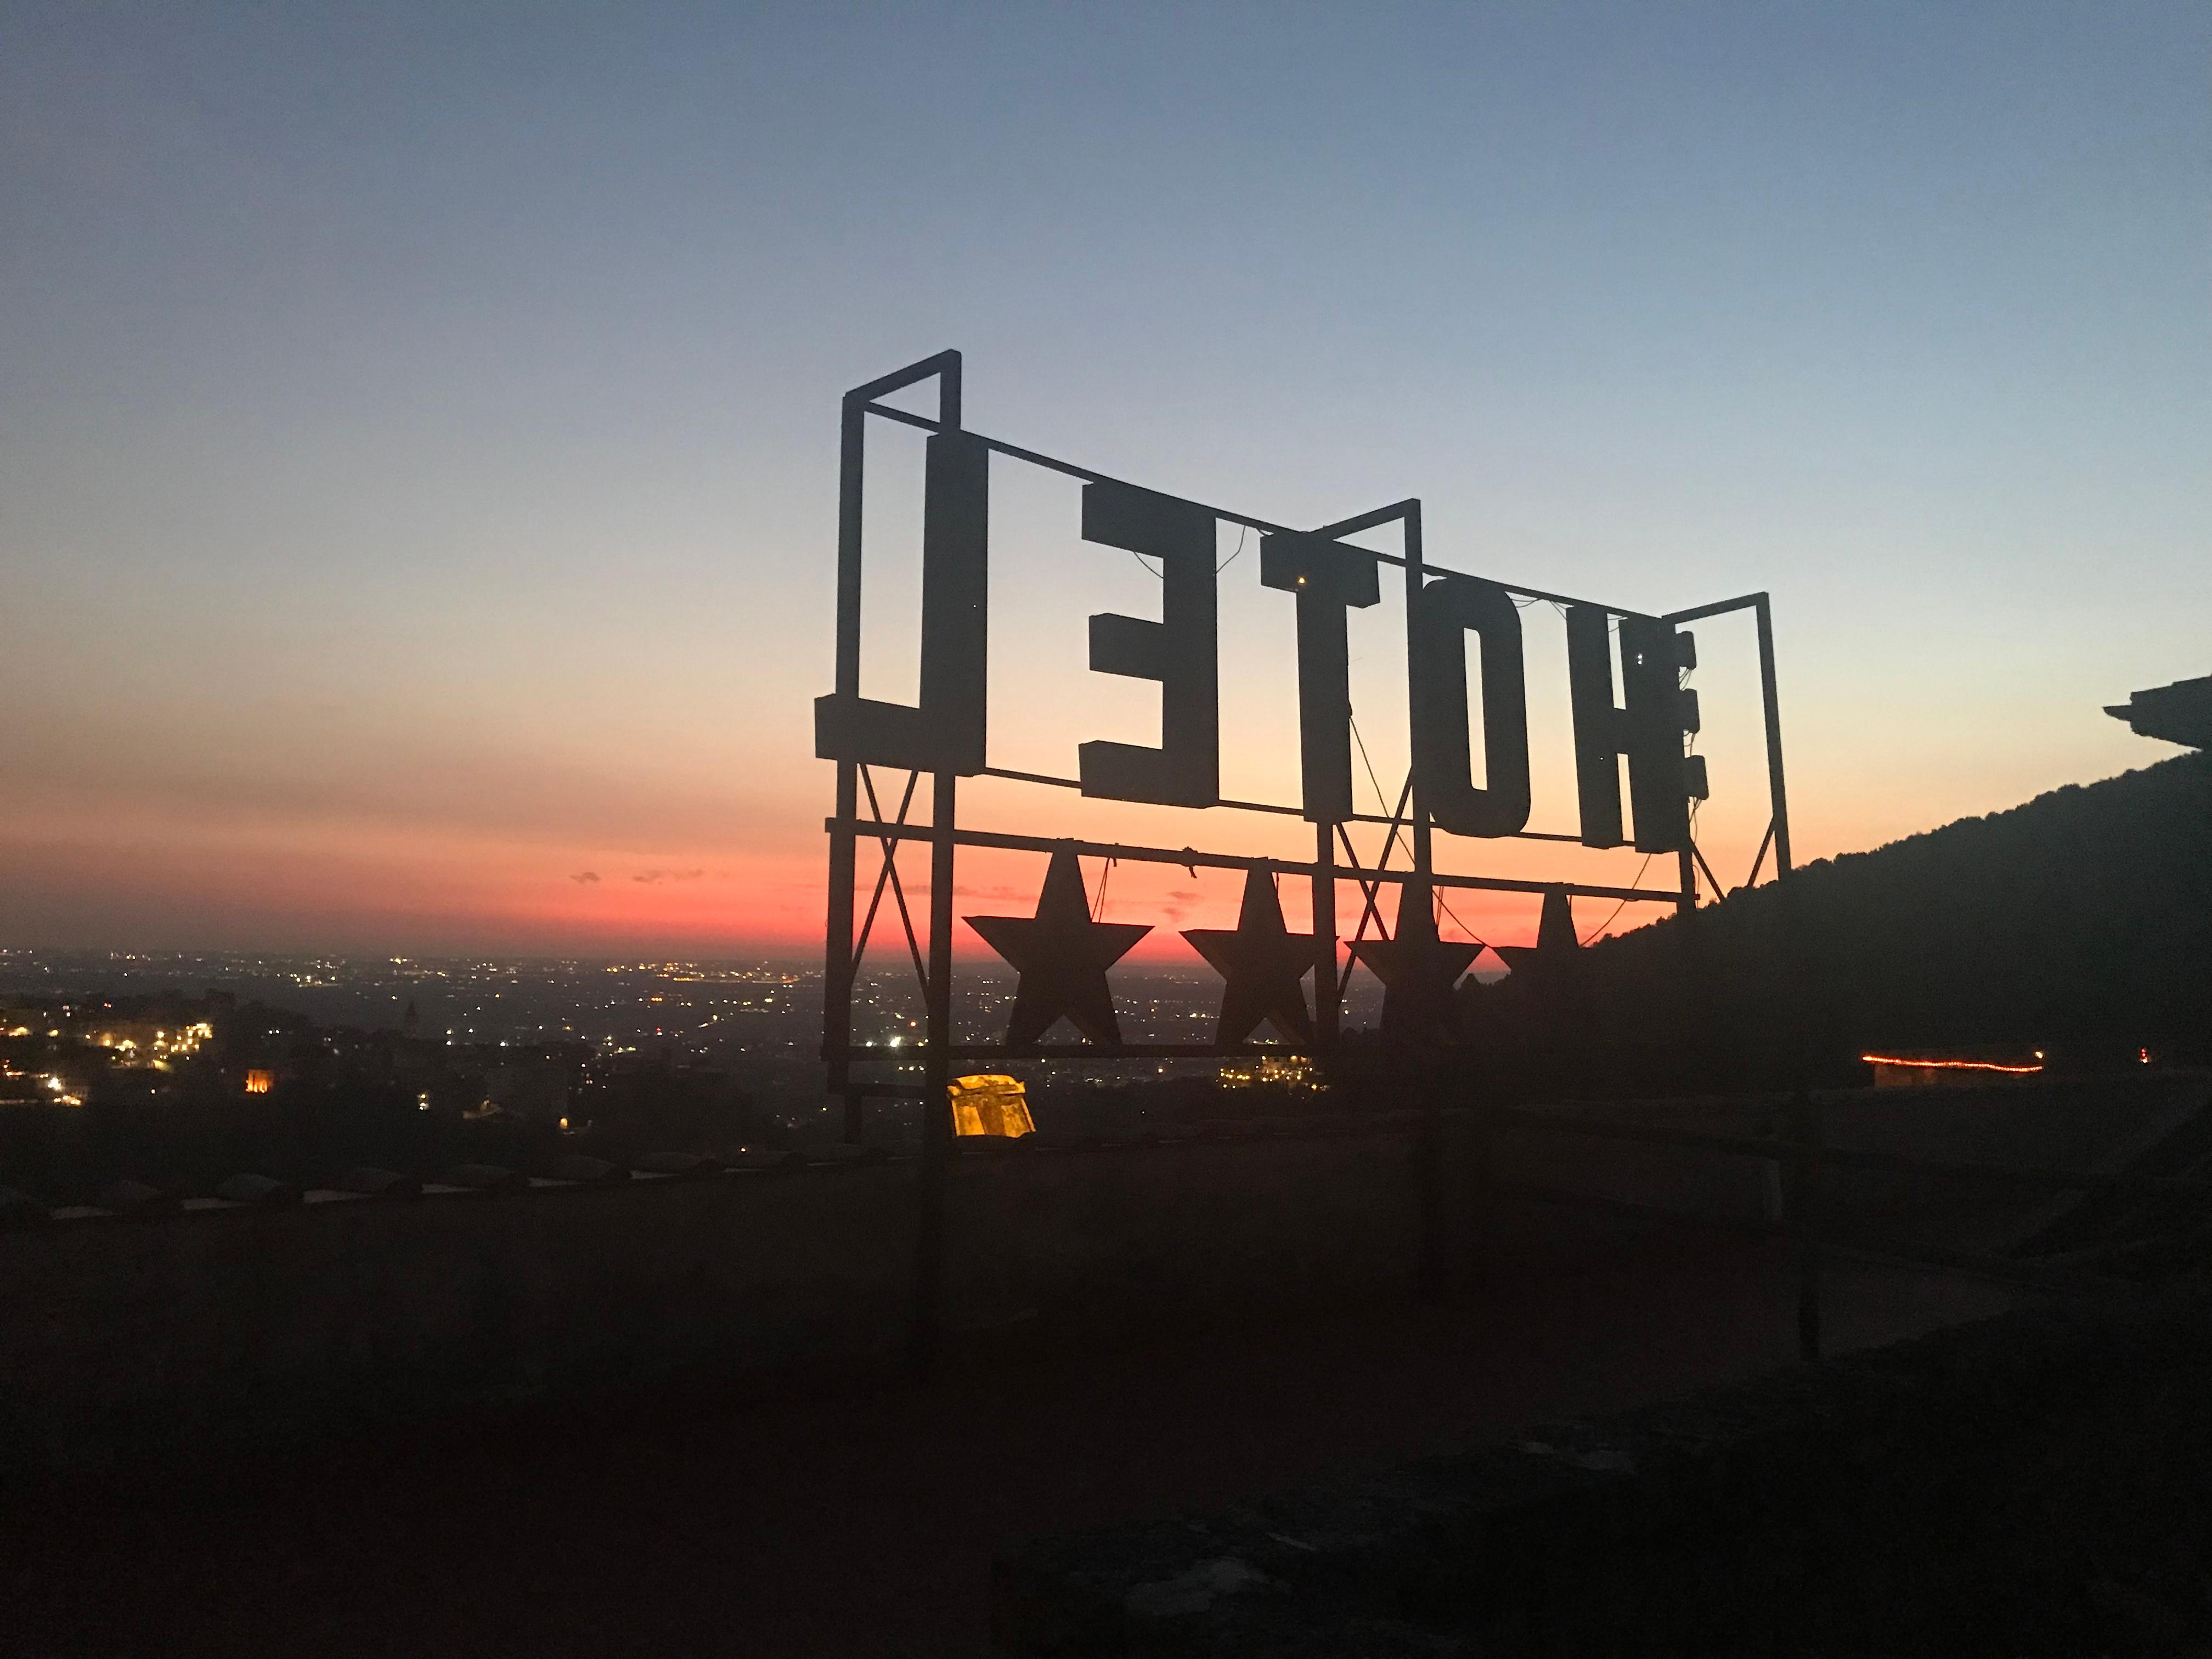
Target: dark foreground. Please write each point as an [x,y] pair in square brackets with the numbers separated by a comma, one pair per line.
[2037,1484]
[861,1519]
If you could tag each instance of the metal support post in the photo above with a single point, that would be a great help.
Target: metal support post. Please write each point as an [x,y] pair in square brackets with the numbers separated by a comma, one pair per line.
[1426,1063]
[837,967]
[937,1068]
[1805,1218]
[1423,841]
[1324,929]
[936,1100]
[1771,703]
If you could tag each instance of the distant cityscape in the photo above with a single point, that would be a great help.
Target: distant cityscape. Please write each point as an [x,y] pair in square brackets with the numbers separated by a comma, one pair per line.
[527,1039]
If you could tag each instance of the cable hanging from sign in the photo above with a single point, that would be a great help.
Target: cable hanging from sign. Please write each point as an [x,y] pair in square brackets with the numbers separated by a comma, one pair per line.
[1242,531]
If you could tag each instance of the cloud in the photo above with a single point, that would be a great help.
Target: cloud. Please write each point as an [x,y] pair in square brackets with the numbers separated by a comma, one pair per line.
[668,875]
[1185,896]
[584,878]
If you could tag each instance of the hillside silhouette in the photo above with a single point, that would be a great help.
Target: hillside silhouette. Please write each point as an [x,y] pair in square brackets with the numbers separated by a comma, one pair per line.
[2079,924]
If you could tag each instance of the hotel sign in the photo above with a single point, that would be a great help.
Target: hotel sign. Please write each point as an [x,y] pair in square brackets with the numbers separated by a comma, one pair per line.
[1644,717]
[1643,712]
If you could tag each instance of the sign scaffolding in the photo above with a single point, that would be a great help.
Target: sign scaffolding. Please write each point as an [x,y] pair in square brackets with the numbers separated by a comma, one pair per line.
[1062,953]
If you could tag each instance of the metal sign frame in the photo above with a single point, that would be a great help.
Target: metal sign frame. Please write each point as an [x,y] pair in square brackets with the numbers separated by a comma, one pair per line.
[953,681]
[1334,859]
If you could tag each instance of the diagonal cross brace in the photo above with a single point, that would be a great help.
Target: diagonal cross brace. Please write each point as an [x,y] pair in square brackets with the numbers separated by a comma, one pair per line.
[889,873]
[1372,890]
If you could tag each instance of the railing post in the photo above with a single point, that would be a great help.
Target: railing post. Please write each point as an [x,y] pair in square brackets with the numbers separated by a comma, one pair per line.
[1485,1185]
[1433,1276]
[1804,1194]
[1326,1010]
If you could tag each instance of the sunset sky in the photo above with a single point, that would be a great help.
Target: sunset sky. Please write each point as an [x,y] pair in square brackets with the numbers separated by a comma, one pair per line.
[418,423]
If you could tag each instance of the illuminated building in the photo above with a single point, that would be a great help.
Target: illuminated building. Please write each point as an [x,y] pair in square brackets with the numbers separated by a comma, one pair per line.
[1903,1071]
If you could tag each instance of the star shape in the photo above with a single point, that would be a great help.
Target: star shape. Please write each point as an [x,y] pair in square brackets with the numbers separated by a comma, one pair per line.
[1263,964]
[1417,968]
[1554,961]
[1062,957]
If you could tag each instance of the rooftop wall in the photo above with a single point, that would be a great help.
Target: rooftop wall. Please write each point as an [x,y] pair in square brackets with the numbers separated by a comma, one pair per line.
[229,1325]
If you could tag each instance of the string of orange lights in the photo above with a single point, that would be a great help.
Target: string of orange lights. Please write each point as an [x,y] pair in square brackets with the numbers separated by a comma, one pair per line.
[1952,1065]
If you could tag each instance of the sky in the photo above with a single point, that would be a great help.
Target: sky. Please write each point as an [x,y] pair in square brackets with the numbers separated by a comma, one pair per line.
[418,422]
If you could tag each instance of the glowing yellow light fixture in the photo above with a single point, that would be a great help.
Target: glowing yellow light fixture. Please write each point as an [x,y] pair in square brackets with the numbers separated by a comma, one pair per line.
[989,1105]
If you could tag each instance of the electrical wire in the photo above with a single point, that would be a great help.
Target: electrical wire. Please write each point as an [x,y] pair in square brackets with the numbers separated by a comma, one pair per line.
[1622,905]
[1243,533]
[1381,802]
[1480,944]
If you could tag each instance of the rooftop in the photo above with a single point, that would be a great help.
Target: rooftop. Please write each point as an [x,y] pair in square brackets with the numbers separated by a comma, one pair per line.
[2179,712]
[854,1517]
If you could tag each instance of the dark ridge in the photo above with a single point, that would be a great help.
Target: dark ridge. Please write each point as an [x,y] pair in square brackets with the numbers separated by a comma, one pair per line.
[2079,924]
